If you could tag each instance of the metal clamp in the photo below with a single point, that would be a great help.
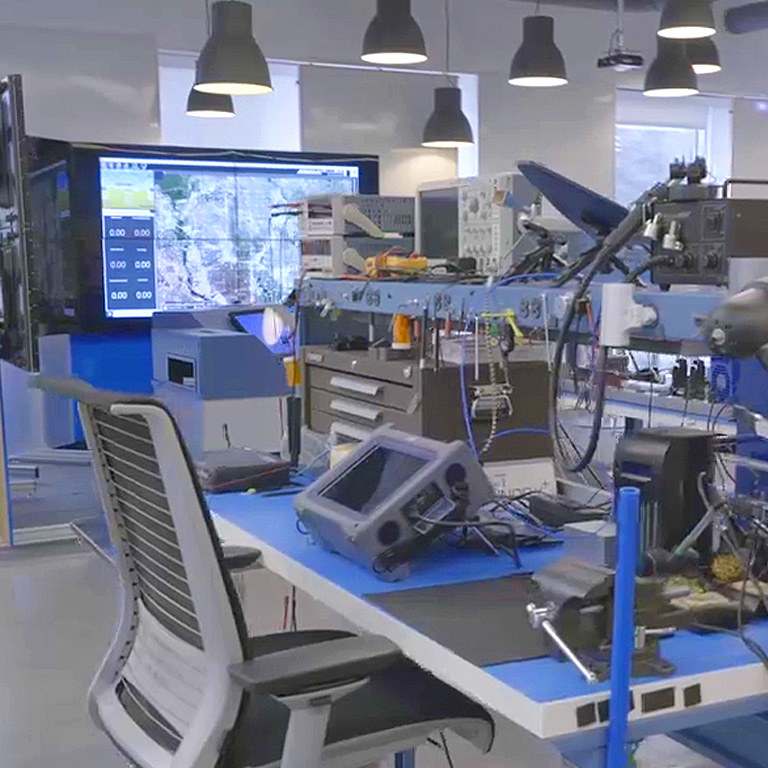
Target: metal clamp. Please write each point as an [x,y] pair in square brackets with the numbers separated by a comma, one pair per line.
[643,633]
[541,618]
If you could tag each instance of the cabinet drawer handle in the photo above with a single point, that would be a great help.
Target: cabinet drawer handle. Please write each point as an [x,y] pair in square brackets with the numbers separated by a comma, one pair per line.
[356,409]
[354,385]
[349,431]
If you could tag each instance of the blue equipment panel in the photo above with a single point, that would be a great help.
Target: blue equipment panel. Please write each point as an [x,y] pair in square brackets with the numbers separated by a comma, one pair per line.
[533,301]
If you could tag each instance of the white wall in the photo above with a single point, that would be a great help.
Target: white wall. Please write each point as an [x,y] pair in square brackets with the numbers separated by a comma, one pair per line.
[269,122]
[402,170]
[574,135]
[84,86]
[750,144]
[352,110]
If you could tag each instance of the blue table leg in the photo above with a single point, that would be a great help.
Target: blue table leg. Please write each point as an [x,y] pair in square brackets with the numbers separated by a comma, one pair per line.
[405,759]
[622,642]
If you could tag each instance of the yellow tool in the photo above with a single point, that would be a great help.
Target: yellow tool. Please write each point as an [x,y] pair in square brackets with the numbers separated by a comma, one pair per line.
[386,264]
[511,319]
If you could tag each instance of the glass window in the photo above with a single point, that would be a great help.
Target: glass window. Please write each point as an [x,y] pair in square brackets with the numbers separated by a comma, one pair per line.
[644,153]
[652,133]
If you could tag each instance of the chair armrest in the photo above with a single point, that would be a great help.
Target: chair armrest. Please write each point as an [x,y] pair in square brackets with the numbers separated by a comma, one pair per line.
[240,558]
[94,532]
[316,667]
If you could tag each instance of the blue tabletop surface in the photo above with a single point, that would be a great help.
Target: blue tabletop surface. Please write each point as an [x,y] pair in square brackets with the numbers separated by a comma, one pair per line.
[272,520]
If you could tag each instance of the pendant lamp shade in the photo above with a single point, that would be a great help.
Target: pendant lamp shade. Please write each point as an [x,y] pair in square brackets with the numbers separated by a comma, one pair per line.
[703,55]
[447,126]
[393,36]
[201,104]
[670,74]
[538,62]
[231,62]
[687,19]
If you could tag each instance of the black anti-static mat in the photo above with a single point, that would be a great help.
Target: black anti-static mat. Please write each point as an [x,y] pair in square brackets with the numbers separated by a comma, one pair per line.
[484,622]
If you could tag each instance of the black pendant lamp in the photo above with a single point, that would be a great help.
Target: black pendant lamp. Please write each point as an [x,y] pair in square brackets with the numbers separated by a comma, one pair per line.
[703,55]
[687,19]
[201,104]
[231,61]
[538,62]
[393,36]
[671,74]
[448,127]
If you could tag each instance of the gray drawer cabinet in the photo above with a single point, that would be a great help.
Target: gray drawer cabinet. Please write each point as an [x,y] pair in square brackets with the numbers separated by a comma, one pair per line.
[361,391]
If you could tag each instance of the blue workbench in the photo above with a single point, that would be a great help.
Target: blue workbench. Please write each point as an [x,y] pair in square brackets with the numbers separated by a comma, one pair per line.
[541,695]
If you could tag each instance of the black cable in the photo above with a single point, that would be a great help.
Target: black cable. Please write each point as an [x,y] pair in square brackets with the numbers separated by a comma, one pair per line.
[654,261]
[446,750]
[578,453]
[650,404]
[597,416]
[687,401]
[720,459]
[719,414]
[465,523]
[610,246]
[751,644]
[294,605]
[455,525]
[709,415]
[518,497]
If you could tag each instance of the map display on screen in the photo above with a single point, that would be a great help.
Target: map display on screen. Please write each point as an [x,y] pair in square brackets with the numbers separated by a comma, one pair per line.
[189,234]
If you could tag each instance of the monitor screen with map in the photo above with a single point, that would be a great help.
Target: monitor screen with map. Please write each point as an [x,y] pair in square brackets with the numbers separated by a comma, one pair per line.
[182,234]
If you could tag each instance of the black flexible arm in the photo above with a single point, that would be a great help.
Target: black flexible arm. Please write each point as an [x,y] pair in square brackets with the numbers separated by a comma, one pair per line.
[612,244]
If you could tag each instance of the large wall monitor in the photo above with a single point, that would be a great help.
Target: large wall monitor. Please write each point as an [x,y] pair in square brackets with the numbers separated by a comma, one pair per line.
[182,234]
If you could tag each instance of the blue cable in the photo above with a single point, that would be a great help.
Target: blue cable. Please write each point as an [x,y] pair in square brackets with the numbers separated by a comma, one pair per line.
[554,534]
[523,431]
[464,401]
[529,276]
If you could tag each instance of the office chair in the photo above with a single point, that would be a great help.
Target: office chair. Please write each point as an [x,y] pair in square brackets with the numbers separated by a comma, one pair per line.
[182,685]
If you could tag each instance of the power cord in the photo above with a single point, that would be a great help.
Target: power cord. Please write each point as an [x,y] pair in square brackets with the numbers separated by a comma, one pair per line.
[654,261]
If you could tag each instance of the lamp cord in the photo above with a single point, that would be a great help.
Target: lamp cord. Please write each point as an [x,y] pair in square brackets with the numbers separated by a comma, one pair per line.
[208,17]
[448,41]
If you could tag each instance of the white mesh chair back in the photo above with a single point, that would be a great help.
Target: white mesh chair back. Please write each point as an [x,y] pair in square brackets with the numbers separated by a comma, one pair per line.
[163,694]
